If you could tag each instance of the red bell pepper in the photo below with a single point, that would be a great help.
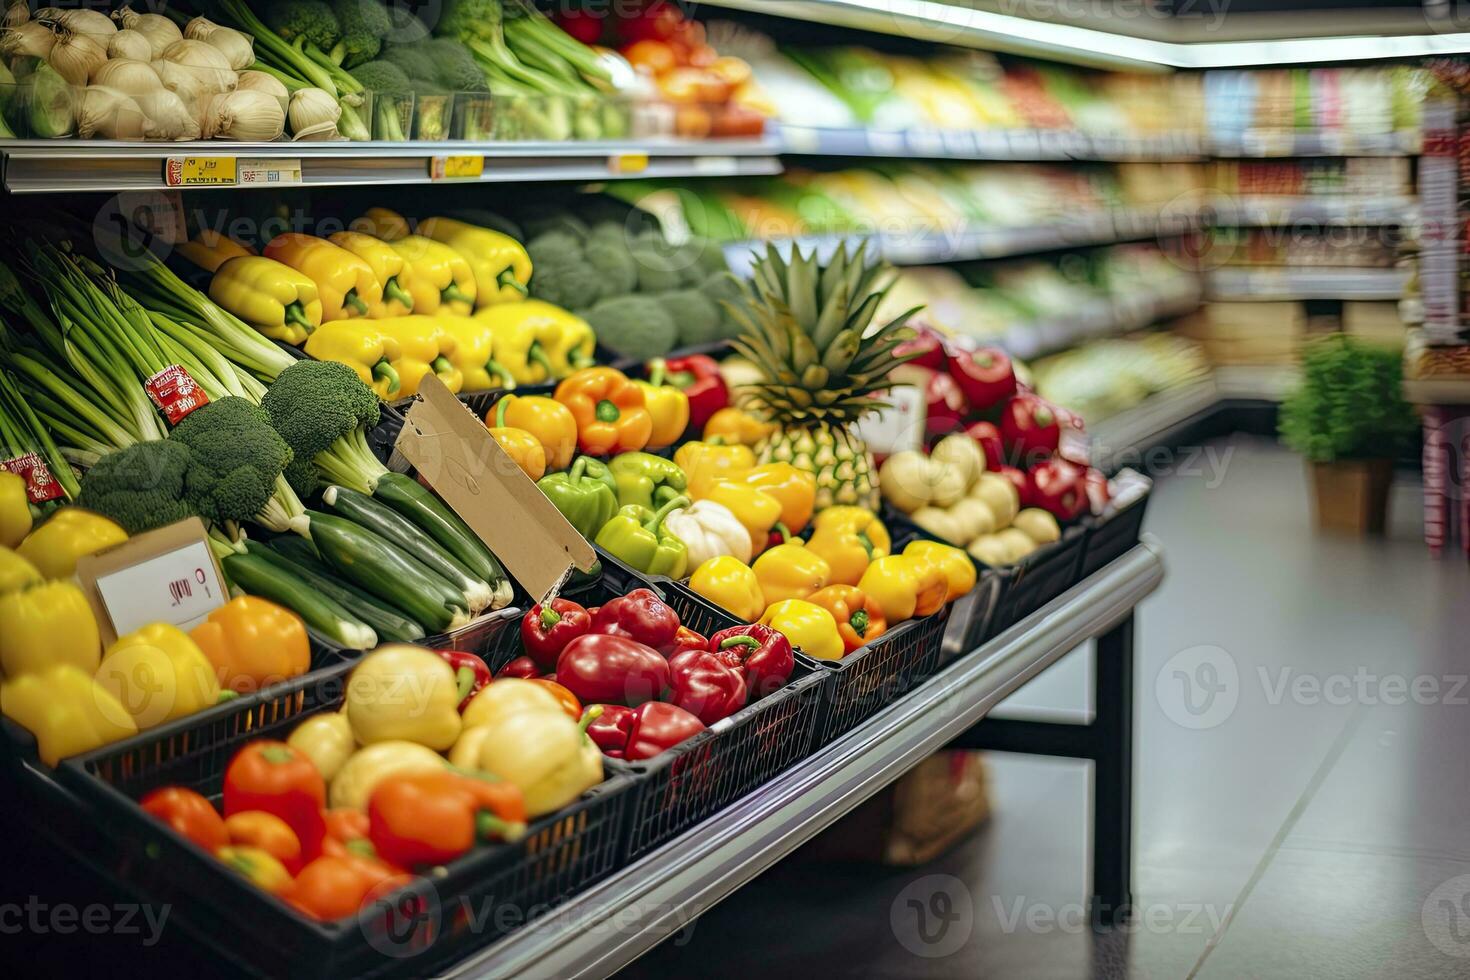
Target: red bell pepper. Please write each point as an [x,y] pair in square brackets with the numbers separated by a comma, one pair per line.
[470,673]
[640,615]
[274,777]
[546,630]
[945,407]
[1057,486]
[688,639]
[698,376]
[1030,429]
[523,667]
[706,684]
[428,818]
[929,347]
[190,814]
[640,733]
[988,436]
[603,669]
[609,731]
[985,375]
[763,655]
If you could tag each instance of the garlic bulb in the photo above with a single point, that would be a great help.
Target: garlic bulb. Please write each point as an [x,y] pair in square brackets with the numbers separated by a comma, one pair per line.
[108,113]
[181,81]
[132,78]
[158,29]
[31,39]
[17,12]
[92,22]
[250,116]
[259,81]
[131,45]
[237,48]
[206,62]
[75,56]
[311,107]
[321,131]
[166,117]
[199,28]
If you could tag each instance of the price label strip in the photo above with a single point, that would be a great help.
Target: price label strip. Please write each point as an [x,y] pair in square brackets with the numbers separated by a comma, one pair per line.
[41,486]
[180,587]
[175,393]
[627,163]
[460,167]
[250,171]
[230,172]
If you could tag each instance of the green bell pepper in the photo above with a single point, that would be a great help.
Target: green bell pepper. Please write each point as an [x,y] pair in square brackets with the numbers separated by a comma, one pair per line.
[586,501]
[637,537]
[647,480]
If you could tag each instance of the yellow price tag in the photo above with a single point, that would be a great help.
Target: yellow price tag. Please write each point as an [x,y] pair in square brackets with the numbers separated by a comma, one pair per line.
[628,163]
[198,171]
[452,167]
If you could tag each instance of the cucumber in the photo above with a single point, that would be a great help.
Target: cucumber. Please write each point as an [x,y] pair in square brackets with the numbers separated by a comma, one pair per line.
[394,528]
[301,551]
[257,576]
[380,568]
[386,622]
[435,518]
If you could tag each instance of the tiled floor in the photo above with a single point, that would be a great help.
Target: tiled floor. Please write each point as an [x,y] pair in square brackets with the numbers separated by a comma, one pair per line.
[1317,828]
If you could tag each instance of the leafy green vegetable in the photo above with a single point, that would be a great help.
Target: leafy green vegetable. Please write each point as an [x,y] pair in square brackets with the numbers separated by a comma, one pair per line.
[323,411]
[140,487]
[238,460]
[364,24]
[312,20]
[1350,403]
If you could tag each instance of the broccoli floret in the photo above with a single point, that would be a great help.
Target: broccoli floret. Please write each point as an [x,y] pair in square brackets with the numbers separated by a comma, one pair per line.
[416,60]
[384,77]
[323,411]
[364,24]
[471,18]
[140,487]
[558,221]
[709,257]
[237,463]
[657,272]
[609,231]
[610,259]
[457,69]
[310,19]
[694,314]
[723,288]
[633,326]
[560,272]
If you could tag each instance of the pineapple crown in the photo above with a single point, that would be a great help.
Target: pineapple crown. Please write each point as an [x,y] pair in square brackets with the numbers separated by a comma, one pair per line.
[810,329]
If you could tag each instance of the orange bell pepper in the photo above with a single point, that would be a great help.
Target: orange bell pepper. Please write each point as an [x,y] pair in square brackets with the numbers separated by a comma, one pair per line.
[795,489]
[521,446]
[252,643]
[610,411]
[269,833]
[429,818]
[547,419]
[859,617]
[336,886]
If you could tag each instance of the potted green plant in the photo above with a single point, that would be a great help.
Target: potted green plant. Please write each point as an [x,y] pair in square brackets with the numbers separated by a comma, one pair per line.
[1349,419]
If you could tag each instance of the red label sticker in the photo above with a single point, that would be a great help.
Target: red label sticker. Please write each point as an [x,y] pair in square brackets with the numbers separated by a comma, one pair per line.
[41,486]
[175,393]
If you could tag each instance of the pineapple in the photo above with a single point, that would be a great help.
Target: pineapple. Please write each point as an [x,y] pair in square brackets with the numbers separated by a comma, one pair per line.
[809,329]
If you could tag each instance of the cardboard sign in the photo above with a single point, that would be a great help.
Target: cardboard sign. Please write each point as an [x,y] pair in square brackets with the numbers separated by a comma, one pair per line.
[164,576]
[456,454]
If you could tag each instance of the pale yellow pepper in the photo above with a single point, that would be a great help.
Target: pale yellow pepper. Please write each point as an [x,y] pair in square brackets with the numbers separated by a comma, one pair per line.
[15,511]
[158,674]
[67,535]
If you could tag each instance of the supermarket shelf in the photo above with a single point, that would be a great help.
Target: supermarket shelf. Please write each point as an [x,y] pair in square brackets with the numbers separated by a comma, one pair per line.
[34,166]
[1260,383]
[1149,423]
[997,242]
[1105,318]
[612,924]
[1328,143]
[961,144]
[1244,285]
[1269,211]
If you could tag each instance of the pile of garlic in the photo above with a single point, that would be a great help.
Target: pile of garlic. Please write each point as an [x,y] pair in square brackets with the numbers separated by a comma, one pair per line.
[141,76]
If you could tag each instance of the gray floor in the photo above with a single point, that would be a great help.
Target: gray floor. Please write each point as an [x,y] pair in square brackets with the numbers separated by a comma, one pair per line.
[1313,820]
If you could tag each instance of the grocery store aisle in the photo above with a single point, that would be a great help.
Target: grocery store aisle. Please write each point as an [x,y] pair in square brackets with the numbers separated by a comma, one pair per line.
[1310,820]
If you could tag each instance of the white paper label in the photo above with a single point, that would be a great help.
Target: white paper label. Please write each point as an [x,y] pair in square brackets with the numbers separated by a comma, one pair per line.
[251,171]
[179,587]
[897,428]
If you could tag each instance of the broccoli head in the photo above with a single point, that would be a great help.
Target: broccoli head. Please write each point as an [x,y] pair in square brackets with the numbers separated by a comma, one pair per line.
[457,69]
[313,404]
[657,272]
[236,458]
[416,60]
[364,24]
[695,315]
[634,326]
[560,272]
[140,487]
[309,19]
[471,18]
[539,225]
[384,77]
[610,259]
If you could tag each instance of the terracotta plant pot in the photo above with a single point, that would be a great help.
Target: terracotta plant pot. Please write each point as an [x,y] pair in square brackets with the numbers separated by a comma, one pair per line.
[1352,494]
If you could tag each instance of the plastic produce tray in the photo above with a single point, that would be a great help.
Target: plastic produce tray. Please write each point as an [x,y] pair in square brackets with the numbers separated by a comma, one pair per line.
[483,895]
[1118,528]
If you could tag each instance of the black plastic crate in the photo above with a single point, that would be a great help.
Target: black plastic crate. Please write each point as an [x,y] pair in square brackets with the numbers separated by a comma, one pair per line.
[1119,527]
[479,897]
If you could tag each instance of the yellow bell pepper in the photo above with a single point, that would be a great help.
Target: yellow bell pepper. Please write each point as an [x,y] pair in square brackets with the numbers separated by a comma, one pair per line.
[404,692]
[893,582]
[46,625]
[474,353]
[389,267]
[547,419]
[757,511]
[795,489]
[363,347]
[933,588]
[355,780]
[849,545]
[707,463]
[15,572]
[344,283]
[424,347]
[858,519]
[67,535]
[66,710]
[500,263]
[730,584]
[327,740]
[503,698]
[157,673]
[384,223]
[209,249]
[808,626]
[15,509]
[737,427]
[442,281]
[524,449]
[519,346]
[544,753]
[567,338]
[958,569]
[669,408]
[791,571]
[274,298]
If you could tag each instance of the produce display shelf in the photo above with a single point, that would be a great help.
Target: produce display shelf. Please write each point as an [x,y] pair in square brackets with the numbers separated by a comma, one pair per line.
[613,923]
[993,144]
[930,247]
[1257,383]
[1251,284]
[1313,143]
[1249,212]
[1119,439]
[36,166]
[1105,318]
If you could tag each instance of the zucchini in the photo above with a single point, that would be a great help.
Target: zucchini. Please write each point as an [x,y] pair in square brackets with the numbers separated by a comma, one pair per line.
[257,576]
[435,518]
[394,528]
[379,567]
[301,551]
[385,621]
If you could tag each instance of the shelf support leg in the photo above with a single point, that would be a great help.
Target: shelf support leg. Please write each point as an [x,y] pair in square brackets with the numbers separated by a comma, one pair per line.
[1112,777]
